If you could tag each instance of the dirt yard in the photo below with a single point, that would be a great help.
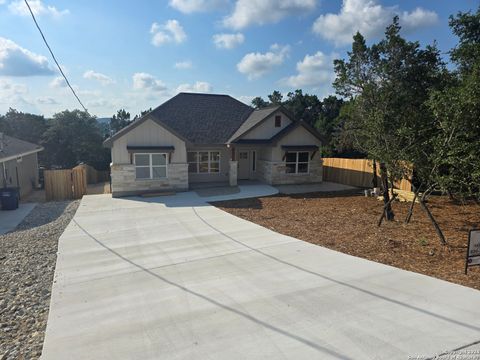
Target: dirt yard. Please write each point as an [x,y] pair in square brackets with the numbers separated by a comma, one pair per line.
[348,224]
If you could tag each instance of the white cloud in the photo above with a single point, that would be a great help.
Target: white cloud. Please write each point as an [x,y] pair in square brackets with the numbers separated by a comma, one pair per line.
[314,71]
[58,83]
[198,87]
[102,78]
[369,18]
[191,6]
[99,103]
[260,12]
[7,88]
[183,65]
[170,32]
[144,81]
[47,101]
[246,99]
[228,41]
[418,18]
[18,7]
[14,95]
[17,61]
[255,65]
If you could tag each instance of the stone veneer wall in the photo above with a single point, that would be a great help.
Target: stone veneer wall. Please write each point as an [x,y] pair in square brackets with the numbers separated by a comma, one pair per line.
[274,173]
[124,182]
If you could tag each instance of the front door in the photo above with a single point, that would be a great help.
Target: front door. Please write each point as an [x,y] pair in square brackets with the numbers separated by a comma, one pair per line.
[243,165]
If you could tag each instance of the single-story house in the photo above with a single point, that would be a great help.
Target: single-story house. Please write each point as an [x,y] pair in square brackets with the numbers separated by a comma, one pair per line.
[197,138]
[19,164]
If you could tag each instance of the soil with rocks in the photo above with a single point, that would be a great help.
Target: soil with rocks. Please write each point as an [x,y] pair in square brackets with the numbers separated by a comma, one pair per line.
[348,224]
[27,263]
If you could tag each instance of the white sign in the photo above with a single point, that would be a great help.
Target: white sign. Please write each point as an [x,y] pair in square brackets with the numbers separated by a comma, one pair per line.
[473,251]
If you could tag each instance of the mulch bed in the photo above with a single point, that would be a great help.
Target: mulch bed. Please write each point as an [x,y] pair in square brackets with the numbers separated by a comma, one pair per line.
[348,223]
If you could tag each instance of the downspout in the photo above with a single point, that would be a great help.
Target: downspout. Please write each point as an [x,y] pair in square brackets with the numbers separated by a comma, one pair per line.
[4,175]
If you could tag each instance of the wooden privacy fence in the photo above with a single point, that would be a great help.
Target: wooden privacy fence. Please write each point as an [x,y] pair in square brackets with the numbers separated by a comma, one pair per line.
[94,176]
[65,184]
[355,172]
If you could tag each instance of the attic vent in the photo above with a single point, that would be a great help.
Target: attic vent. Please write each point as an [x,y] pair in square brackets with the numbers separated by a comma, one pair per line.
[278,121]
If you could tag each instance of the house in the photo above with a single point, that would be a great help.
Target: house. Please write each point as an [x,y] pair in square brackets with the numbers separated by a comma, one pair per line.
[197,138]
[19,164]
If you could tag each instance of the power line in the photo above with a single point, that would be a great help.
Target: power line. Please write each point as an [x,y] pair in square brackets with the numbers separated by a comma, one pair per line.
[54,58]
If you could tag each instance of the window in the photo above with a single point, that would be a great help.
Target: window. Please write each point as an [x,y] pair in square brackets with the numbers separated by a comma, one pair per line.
[278,121]
[203,161]
[150,166]
[254,161]
[297,162]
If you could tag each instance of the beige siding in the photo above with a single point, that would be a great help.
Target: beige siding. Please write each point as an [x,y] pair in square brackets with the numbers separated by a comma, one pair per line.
[224,166]
[265,153]
[299,136]
[27,173]
[148,134]
[267,129]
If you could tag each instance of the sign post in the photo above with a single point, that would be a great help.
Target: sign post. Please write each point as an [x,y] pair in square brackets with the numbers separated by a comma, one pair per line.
[473,249]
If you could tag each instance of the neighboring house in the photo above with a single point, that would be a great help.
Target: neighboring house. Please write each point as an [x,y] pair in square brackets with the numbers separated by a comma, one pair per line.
[197,138]
[19,164]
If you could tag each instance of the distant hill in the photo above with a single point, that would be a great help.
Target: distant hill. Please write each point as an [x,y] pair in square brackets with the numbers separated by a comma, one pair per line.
[104,120]
[104,125]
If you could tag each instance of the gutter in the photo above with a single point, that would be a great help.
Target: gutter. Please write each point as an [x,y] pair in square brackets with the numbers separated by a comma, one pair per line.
[21,155]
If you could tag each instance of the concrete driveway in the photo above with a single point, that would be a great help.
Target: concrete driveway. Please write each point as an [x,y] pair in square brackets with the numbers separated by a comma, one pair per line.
[175,278]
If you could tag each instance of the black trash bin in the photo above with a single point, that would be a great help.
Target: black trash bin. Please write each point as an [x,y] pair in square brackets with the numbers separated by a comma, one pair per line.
[9,197]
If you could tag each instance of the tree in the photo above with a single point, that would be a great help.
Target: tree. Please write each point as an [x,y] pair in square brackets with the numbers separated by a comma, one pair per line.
[73,137]
[456,109]
[275,98]
[389,83]
[327,123]
[24,126]
[119,121]
[259,103]
[303,106]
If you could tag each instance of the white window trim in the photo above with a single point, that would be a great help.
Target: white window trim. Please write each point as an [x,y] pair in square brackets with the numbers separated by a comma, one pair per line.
[297,162]
[209,162]
[151,166]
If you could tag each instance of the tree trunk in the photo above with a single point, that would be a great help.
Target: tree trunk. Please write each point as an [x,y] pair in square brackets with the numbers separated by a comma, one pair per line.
[389,215]
[391,187]
[432,219]
[374,177]
[384,207]
[410,211]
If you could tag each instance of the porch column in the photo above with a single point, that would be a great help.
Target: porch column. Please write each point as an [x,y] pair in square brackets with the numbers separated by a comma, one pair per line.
[233,172]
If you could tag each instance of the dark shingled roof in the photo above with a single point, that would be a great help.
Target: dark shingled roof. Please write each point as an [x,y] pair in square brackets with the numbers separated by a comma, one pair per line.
[209,119]
[202,118]
[13,147]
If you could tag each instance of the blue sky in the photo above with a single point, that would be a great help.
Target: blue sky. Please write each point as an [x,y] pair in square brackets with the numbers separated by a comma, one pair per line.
[135,55]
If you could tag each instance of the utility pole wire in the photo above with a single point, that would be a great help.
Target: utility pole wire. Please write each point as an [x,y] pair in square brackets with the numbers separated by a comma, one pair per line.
[54,58]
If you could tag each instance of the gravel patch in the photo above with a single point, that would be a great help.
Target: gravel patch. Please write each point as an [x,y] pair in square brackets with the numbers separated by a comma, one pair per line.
[27,263]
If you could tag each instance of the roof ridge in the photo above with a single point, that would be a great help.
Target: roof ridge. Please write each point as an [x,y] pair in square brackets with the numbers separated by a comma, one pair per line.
[204,94]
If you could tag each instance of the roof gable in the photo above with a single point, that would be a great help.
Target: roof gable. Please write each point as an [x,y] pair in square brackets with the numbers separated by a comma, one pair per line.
[287,130]
[259,117]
